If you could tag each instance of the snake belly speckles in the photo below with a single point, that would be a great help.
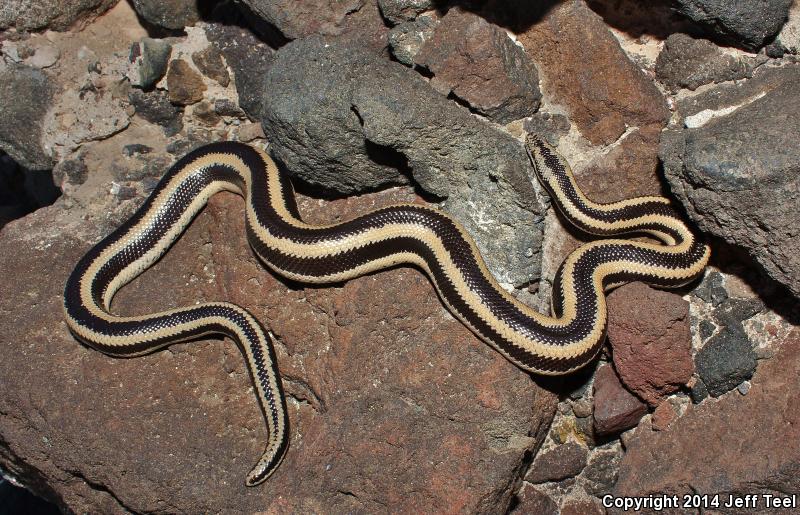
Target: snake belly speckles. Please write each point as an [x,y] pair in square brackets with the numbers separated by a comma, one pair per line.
[400,234]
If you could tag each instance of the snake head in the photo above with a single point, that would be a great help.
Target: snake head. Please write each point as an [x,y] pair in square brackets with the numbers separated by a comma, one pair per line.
[547,162]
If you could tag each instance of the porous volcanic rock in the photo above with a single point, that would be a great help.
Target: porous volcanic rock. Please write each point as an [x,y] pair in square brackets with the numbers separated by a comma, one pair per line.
[392,401]
[686,62]
[649,332]
[25,15]
[398,11]
[361,122]
[301,18]
[26,95]
[480,64]
[170,14]
[720,447]
[748,23]
[733,162]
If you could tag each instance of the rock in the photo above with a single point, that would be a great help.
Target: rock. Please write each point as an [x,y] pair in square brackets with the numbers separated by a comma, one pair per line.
[205,113]
[532,500]
[398,11]
[711,289]
[720,447]
[135,149]
[732,166]
[600,473]
[24,15]
[608,98]
[747,23]
[45,56]
[480,64]
[650,334]
[368,428]
[582,507]
[627,169]
[169,14]
[406,39]
[249,59]
[185,85]
[74,171]
[615,408]
[250,132]
[227,107]
[302,18]
[362,121]
[698,390]
[562,462]
[686,62]
[789,36]
[605,95]
[26,94]
[155,107]
[209,62]
[149,58]
[550,126]
[663,416]
[726,360]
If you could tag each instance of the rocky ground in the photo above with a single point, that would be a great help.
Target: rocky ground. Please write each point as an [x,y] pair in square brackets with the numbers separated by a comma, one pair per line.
[394,405]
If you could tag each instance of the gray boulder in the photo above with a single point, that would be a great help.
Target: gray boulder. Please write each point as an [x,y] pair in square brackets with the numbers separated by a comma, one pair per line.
[170,14]
[748,23]
[25,96]
[25,15]
[734,163]
[361,122]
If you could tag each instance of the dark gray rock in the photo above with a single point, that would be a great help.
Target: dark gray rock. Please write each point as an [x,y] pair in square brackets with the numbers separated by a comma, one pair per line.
[749,23]
[149,58]
[711,290]
[685,62]
[25,97]
[602,471]
[360,121]
[249,59]
[698,391]
[301,18]
[732,312]
[25,15]
[169,14]
[726,360]
[477,62]
[155,107]
[407,38]
[561,462]
[734,165]
[399,11]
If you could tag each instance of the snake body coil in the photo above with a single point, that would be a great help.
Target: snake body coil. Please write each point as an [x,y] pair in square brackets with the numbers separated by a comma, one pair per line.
[409,234]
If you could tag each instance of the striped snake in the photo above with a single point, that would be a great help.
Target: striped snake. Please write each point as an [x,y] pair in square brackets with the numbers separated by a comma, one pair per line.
[400,234]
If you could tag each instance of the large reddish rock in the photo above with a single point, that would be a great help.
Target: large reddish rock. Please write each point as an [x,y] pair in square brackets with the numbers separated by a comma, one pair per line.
[392,402]
[611,101]
[615,408]
[735,445]
[649,332]
[583,67]
[480,64]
